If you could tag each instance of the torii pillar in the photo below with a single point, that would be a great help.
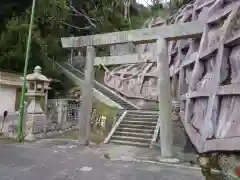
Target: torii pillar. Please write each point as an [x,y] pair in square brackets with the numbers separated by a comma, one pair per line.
[87,97]
[164,98]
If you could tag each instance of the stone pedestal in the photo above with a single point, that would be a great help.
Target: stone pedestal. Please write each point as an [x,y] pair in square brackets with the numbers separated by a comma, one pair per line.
[35,119]
[35,126]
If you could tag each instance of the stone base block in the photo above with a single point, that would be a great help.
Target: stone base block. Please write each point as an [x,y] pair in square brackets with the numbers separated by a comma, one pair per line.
[35,124]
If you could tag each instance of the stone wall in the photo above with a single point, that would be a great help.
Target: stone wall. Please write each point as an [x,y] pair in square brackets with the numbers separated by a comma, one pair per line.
[8,98]
[206,73]
[62,115]
[9,124]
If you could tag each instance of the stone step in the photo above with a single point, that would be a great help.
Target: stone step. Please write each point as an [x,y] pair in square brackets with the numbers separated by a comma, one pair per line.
[134,130]
[142,114]
[137,126]
[130,138]
[134,134]
[140,118]
[130,143]
[150,123]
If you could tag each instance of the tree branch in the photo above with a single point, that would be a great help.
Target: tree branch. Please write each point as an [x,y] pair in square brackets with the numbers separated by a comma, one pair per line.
[147,3]
[81,14]
[78,28]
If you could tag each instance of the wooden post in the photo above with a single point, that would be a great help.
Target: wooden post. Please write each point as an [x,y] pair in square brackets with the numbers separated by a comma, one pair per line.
[87,97]
[164,97]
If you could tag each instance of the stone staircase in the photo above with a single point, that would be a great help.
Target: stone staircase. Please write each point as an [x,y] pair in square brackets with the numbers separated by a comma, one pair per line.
[101,88]
[135,128]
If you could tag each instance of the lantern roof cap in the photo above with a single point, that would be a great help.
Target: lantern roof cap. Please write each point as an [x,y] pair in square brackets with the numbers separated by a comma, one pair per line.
[37,75]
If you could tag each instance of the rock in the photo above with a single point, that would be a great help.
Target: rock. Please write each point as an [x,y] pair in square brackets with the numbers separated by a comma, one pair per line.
[106,155]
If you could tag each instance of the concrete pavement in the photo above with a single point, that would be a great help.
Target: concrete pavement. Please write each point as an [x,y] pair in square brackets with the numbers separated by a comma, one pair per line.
[66,161]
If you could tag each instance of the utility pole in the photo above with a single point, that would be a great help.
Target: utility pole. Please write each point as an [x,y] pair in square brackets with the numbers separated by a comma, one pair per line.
[22,104]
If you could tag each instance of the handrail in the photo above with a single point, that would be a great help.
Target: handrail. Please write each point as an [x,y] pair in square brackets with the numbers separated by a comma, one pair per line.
[156,131]
[115,94]
[115,127]
[107,89]
[96,83]
[98,94]
[145,111]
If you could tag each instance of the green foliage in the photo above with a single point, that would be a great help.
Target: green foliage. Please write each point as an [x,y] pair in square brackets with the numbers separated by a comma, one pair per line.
[46,34]
[108,15]
[50,24]
[10,8]
[176,4]
[105,110]
[13,46]
[53,20]
[158,10]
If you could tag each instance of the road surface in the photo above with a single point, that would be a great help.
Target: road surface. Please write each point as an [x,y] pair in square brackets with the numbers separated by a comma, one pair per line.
[68,162]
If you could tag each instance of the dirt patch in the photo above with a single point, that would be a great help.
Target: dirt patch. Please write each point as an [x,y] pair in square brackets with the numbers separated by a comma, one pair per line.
[94,137]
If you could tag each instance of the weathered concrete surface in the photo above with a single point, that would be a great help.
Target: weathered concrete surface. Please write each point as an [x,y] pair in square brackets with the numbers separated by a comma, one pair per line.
[49,160]
[140,154]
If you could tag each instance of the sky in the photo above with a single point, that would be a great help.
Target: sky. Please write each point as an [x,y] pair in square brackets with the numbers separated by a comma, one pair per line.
[144,2]
[149,2]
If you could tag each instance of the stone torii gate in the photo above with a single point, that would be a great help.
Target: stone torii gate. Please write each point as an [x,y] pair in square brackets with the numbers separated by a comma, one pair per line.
[160,35]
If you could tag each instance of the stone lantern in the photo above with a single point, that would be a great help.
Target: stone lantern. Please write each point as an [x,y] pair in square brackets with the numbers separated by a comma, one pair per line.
[35,121]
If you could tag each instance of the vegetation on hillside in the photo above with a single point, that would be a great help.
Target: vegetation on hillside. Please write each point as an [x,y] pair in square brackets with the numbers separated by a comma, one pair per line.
[54,19]
[57,18]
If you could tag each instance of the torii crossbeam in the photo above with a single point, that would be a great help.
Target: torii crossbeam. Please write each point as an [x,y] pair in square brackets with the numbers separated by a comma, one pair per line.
[140,36]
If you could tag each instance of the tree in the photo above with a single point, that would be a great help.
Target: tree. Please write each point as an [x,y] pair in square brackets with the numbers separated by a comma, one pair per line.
[13,45]
[53,20]
[176,4]
[102,15]
[10,8]
[47,31]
